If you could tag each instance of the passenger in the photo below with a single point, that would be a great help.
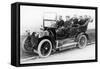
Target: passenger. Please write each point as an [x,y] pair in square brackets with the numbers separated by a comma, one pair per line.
[90,19]
[75,25]
[81,20]
[74,19]
[83,23]
[60,22]
[60,25]
[86,18]
[67,22]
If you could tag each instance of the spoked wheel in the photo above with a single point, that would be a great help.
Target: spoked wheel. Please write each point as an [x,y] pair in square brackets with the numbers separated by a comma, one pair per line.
[82,41]
[44,48]
[27,45]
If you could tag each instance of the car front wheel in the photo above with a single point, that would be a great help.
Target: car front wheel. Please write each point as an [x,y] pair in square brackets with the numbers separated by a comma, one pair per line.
[27,45]
[44,48]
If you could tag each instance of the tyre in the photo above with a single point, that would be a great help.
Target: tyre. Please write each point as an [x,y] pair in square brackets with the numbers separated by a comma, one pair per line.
[44,48]
[27,45]
[82,41]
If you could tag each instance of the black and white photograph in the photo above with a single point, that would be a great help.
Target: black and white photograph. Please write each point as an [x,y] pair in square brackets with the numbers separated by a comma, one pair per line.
[56,33]
[50,34]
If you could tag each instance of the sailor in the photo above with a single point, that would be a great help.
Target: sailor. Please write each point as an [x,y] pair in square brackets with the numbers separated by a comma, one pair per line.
[60,22]
[74,20]
[60,26]
[67,23]
[81,20]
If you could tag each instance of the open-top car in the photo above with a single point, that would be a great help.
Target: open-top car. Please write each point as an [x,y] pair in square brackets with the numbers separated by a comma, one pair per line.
[48,39]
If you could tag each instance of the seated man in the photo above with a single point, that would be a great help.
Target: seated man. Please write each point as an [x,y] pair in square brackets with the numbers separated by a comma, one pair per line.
[64,30]
[74,26]
[60,24]
[87,19]
[67,22]
[84,23]
[74,21]
[81,20]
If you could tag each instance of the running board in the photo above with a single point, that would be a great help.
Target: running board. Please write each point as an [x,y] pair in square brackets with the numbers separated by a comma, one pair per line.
[68,44]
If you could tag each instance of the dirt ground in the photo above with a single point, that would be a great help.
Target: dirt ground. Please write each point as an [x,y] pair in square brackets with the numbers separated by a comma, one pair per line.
[74,54]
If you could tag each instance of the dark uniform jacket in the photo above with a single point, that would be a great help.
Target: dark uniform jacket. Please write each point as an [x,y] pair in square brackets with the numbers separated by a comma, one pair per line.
[67,23]
[75,21]
[60,23]
[81,22]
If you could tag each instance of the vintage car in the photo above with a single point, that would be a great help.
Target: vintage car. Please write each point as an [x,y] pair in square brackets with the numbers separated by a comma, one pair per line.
[47,40]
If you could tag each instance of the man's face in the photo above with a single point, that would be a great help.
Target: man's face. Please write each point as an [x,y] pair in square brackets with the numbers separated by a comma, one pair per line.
[85,16]
[80,17]
[60,18]
[75,17]
[67,18]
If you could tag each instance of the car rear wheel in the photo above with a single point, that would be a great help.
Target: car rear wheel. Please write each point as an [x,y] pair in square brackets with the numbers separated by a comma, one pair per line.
[44,48]
[82,41]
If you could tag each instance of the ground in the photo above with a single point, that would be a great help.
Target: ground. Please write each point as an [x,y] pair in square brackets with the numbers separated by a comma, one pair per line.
[65,55]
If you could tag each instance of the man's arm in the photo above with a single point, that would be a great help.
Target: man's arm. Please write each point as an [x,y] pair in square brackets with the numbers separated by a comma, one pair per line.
[86,23]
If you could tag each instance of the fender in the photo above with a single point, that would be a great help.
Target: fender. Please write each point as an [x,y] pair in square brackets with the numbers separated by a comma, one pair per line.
[51,39]
[77,36]
[44,35]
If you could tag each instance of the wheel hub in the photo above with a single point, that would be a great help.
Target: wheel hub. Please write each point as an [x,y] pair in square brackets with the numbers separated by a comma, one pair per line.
[45,48]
